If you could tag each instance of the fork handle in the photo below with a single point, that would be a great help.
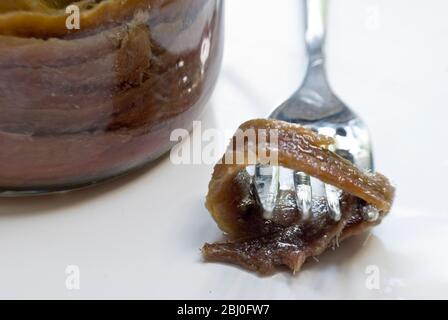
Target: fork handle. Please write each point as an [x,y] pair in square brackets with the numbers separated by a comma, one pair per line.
[315,29]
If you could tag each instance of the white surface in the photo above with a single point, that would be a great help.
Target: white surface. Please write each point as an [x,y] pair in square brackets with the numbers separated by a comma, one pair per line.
[139,237]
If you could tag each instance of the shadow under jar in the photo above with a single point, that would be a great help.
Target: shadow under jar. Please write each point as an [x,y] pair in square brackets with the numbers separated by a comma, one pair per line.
[79,106]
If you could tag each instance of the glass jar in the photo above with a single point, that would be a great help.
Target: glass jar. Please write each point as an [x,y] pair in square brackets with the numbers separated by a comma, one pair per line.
[83,103]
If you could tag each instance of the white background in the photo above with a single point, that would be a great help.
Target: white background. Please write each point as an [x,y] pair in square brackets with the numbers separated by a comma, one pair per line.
[139,237]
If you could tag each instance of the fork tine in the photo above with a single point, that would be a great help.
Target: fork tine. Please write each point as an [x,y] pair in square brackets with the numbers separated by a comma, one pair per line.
[266,182]
[333,194]
[302,184]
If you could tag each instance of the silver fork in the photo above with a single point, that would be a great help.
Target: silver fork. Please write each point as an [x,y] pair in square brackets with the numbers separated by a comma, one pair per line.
[315,106]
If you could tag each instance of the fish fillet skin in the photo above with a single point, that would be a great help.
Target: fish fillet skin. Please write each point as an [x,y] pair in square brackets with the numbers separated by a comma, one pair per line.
[45,22]
[287,239]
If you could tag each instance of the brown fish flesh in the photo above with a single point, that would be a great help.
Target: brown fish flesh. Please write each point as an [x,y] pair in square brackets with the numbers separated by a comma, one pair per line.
[287,239]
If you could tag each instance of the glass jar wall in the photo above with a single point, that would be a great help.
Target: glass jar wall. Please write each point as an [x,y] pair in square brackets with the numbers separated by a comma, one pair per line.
[79,106]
